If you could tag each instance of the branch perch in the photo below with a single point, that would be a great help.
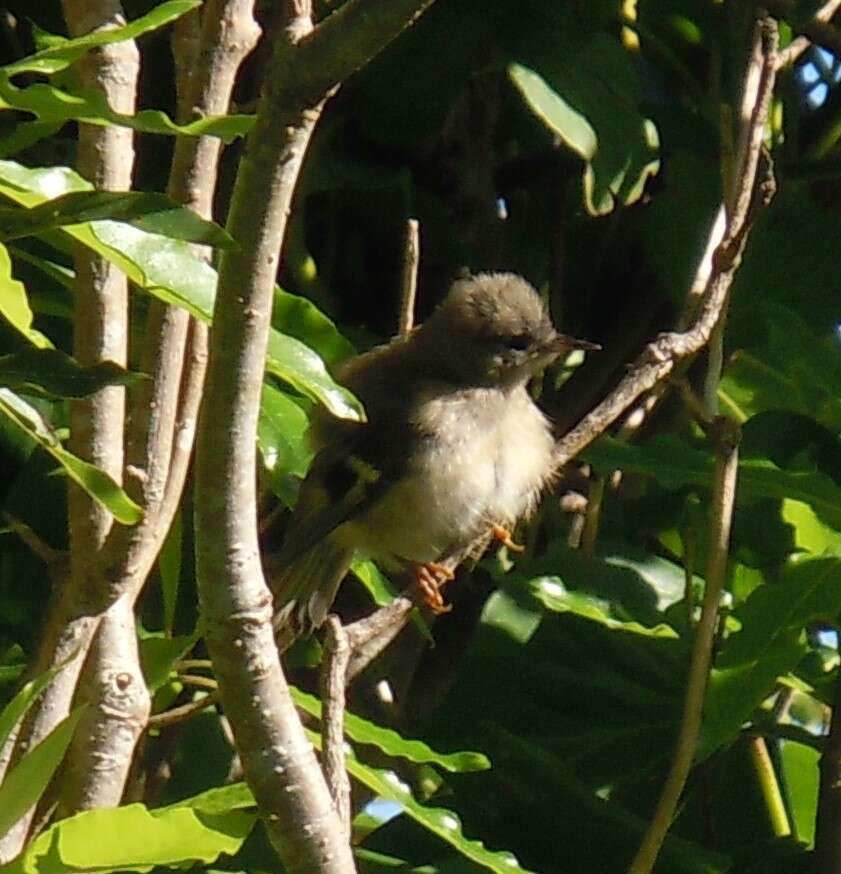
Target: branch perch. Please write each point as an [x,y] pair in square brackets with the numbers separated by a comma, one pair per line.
[307,64]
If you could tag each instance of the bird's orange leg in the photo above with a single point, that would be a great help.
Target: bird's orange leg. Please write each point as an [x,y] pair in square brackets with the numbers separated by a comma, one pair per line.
[503,535]
[430,577]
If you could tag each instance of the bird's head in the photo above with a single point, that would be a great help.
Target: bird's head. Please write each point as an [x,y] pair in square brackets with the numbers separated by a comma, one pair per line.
[496,330]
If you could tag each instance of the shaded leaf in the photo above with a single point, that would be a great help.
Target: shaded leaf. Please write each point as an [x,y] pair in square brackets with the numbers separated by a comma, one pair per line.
[23,785]
[552,593]
[302,319]
[282,434]
[769,645]
[158,654]
[53,373]
[674,464]
[95,482]
[441,822]
[169,567]
[391,743]
[619,146]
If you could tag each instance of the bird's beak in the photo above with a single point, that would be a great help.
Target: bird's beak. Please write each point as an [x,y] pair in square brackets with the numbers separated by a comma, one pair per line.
[561,344]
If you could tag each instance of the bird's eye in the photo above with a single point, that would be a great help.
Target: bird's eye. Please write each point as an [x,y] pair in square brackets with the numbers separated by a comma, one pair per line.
[519,342]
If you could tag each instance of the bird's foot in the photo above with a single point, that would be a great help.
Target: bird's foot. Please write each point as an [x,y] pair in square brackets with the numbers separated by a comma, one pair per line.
[430,577]
[503,535]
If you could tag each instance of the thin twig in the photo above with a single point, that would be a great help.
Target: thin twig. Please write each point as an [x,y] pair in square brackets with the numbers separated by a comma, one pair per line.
[333,681]
[721,514]
[769,786]
[816,29]
[182,713]
[370,636]
[409,286]
[33,540]
[592,515]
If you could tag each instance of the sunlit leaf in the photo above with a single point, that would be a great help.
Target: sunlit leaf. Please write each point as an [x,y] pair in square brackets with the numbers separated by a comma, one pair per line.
[51,105]
[443,823]
[14,304]
[17,708]
[63,52]
[134,838]
[169,270]
[149,211]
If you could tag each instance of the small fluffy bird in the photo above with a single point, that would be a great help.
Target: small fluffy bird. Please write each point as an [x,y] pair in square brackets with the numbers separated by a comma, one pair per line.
[453,448]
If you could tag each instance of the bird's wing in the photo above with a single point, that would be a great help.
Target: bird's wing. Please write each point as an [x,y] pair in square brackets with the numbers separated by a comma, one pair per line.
[345,477]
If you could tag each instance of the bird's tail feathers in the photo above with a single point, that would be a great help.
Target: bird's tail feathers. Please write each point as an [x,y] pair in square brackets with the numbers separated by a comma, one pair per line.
[304,590]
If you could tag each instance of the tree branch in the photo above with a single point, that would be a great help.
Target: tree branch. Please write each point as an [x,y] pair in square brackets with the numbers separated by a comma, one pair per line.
[661,356]
[721,514]
[158,455]
[337,654]
[100,333]
[828,827]
[278,761]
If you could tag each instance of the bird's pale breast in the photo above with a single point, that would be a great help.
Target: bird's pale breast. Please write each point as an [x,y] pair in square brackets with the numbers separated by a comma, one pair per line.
[485,465]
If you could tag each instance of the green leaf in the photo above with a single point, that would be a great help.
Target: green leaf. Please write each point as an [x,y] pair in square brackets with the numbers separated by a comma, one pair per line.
[800,767]
[95,482]
[810,534]
[674,464]
[149,211]
[158,654]
[302,319]
[552,593]
[63,52]
[170,271]
[374,580]
[618,145]
[53,106]
[298,365]
[443,823]
[391,743]
[14,304]
[52,373]
[769,645]
[282,434]
[17,708]
[133,838]
[555,112]
[169,566]
[23,785]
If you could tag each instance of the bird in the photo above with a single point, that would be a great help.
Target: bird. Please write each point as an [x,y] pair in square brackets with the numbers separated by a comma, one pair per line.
[452,448]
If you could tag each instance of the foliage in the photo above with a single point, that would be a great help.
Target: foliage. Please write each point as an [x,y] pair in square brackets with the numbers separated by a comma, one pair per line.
[577,144]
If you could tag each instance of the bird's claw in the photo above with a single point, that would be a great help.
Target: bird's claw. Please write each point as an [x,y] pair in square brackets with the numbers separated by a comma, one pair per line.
[430,577]
[503,535]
